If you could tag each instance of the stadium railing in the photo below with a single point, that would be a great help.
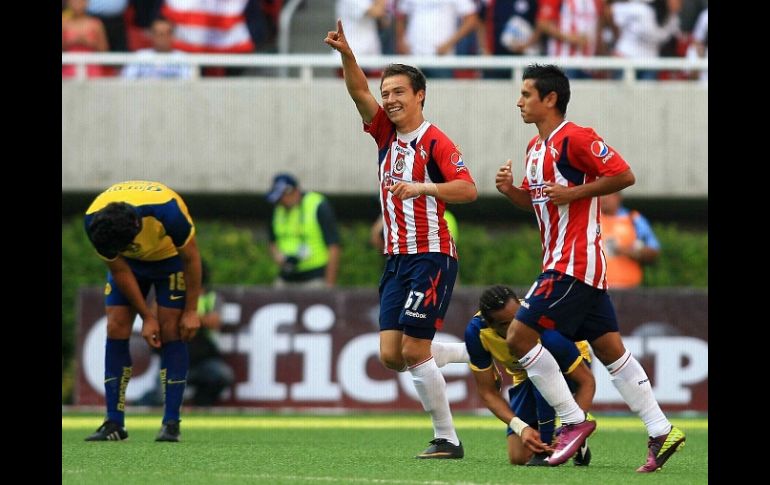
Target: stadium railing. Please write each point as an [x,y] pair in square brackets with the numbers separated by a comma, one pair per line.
[307,65]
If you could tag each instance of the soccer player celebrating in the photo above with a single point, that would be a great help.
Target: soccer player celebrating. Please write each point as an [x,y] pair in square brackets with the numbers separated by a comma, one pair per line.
[420,169]
[567,168]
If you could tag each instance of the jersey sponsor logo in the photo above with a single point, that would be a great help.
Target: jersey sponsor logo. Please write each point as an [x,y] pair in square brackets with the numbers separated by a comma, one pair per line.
[537,195]
[599,149]
[401,150]
[412,314]
[604,160]
[456,159]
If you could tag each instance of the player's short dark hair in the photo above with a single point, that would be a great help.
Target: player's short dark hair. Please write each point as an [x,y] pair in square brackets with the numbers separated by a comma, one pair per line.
[495,298]
[415,75]
[114,227]
[549,78]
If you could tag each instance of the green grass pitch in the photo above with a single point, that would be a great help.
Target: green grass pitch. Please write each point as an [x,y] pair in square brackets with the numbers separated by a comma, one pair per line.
[354,449]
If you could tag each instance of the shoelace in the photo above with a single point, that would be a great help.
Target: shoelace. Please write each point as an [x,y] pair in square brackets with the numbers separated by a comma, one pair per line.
[438,441]
[654,445]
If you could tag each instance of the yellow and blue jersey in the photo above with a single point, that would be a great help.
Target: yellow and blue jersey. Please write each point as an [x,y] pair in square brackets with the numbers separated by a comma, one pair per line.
[166,222]
[484,344]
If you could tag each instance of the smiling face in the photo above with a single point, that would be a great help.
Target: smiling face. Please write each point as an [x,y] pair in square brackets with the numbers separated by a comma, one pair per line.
[502,318]
[401,103]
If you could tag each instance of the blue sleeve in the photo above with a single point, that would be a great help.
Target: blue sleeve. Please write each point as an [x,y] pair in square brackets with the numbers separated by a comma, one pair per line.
[645,233]
[174,220]
[328,223]
[480,358]
[564,350]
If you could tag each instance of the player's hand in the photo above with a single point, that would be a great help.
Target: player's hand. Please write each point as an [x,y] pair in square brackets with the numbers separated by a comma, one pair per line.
[531,439]
[189,325]
[151,331]
[337,40]
[404,190]
[504,178]
[558,194]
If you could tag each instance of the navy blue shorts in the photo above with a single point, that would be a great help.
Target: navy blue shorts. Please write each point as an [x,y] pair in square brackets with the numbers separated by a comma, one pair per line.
[529,406]
[560,302]
[415,290]
[166,275]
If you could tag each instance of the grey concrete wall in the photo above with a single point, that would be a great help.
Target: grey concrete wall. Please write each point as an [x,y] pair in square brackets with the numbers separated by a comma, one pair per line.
[232,135]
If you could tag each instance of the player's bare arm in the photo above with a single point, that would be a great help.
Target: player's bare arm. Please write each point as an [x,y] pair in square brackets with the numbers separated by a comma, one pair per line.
[355,79]
[487,389]
[455,191]
[504,183]
[127,284]
[189,322]
[560,195]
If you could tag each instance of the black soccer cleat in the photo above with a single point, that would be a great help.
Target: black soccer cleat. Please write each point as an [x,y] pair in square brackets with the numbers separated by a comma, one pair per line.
[441,448]
[169,432]
[109,431]
[538,459]
[583,455]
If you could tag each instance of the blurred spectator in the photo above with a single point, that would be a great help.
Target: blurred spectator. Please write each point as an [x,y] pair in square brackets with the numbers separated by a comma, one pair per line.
[573,28]
[640,34]
[700,37]
[691,9]
[206,26]
[112,15]
[429,28]
[209,374]
[360,19]
[81,32]
[511,31]
[629,243]
[145,11]
[162,34]
[304,240]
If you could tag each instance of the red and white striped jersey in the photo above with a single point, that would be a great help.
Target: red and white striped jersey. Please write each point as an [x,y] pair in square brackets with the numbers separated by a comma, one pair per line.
[217,26]
[571,234]
[572,17]
[415,225]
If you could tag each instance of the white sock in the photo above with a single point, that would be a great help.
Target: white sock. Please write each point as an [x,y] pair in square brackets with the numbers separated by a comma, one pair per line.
[447,353]
[547,377]
[431,387]
[632,383]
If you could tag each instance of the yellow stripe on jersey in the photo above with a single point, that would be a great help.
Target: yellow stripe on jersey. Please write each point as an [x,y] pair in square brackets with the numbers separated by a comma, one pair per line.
[498,348]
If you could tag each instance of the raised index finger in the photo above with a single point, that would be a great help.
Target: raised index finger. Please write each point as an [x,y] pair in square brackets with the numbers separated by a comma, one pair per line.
[339,27]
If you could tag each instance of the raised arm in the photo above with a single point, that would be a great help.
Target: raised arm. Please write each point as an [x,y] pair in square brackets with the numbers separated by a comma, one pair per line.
[355,79]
